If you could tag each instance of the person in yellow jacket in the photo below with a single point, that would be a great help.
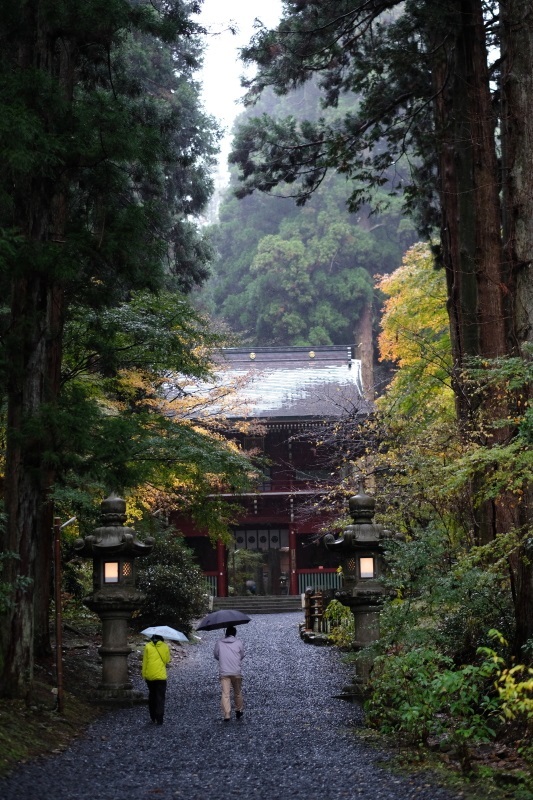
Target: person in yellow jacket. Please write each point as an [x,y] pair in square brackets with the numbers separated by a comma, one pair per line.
[156,656]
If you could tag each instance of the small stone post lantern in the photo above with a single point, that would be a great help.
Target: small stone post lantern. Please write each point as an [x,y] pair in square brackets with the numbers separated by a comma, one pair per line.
[361,549]
[114,549]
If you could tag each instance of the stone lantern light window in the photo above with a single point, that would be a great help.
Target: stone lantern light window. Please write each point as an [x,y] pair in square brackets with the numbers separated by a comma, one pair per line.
[111,571]
[117,571]
[367,568]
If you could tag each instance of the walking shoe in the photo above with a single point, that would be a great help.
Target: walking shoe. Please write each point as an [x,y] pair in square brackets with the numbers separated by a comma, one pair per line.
[238,714]
[226,719]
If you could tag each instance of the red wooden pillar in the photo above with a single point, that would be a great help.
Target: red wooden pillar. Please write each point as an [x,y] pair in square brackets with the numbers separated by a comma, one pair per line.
[293,585]
[222,570]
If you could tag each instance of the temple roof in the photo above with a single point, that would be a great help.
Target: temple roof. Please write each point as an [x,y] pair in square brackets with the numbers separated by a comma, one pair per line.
[294,382]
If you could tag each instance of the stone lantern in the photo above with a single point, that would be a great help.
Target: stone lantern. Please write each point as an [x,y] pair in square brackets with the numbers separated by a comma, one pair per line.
[361,549]
[114,549]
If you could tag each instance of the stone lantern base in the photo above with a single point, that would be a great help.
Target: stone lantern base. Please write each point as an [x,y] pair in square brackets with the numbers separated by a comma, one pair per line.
[117,697]
[365,606]
[115,611]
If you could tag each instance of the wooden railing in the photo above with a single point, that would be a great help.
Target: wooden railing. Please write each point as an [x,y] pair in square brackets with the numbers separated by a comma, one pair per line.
[212,584]
[320,580]
[292,485]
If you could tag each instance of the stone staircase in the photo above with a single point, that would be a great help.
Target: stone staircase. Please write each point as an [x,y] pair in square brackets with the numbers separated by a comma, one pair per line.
[260,604]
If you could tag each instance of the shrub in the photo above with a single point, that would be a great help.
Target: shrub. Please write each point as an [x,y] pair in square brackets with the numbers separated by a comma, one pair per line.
[513,684]
[399,698]
[419,693]
[515,688]
[176,592]
[342,622]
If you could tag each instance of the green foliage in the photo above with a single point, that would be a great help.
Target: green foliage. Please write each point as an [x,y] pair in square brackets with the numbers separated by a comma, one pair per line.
[419,693]
[436,673]
[175,589]
[446,590]
[342,632]
[515,688]
[444,596]
[129,145]
[336,612]
[76,582]
[399,696]
[499,445]
[125,422]
[106,154]
[159,332]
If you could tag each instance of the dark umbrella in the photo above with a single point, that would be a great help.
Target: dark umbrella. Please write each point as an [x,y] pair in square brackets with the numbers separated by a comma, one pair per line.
[221,619]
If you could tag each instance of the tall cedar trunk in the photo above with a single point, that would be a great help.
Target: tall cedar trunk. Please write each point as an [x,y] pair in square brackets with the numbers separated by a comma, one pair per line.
[365,351]
[42,572]
[26,482]
[517,158]
[33,364]
[470,228]
[54,353]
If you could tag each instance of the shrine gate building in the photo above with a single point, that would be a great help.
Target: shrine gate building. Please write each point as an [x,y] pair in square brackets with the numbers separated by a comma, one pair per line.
[292,394]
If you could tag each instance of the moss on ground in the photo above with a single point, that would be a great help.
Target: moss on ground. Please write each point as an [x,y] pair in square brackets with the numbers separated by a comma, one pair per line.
[35,727]
[498,771]
[27,731]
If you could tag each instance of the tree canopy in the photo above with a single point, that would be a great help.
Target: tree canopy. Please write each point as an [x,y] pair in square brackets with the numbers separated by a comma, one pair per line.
[106,154]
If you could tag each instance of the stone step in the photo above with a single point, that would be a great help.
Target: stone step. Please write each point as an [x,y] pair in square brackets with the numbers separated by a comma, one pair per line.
[260,604]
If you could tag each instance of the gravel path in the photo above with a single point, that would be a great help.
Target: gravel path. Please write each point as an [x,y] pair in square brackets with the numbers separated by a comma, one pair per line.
[294,740]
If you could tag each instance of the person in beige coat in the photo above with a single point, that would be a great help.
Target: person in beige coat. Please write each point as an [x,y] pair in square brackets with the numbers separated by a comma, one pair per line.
[229,652]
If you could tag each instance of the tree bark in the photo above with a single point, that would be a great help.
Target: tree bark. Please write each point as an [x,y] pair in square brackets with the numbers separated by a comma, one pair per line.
[469,189]
[33,351]
[517,152]
[472,251]
[42,574]
[27,392]
[517,161]
[365,351]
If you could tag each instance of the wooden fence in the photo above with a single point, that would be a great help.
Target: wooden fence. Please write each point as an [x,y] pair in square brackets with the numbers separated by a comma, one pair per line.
[319,581]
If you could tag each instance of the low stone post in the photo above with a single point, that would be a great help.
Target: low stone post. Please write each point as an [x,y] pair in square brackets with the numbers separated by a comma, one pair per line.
[114,548]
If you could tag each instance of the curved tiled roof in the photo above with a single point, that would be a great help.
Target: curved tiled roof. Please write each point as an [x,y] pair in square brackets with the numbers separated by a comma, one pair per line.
[295,382]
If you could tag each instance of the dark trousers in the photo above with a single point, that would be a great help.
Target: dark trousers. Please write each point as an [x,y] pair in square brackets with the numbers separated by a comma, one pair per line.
[156,700]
